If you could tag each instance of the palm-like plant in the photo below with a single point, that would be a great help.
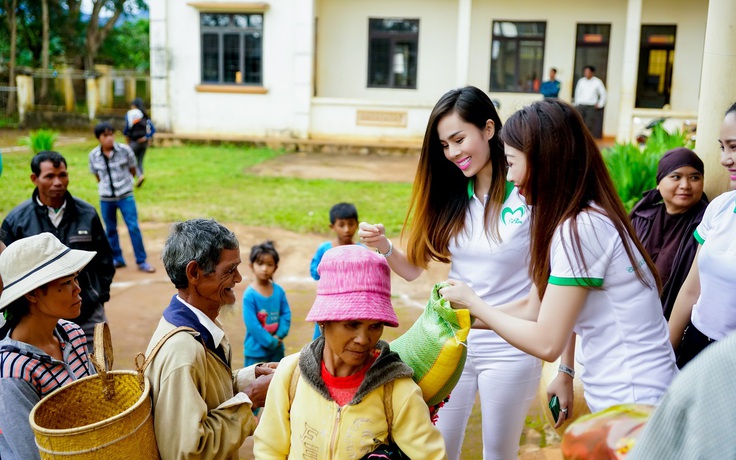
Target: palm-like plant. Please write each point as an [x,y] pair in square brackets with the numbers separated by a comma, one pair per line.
[40,140]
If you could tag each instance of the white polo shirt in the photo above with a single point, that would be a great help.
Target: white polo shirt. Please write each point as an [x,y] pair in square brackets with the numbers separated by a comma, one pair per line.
[623,337]
[497,272]
[714,314]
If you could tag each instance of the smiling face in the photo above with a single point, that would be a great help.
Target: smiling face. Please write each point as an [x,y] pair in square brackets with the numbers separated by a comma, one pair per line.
[52,183]
[681,189]
[517,169]
[345,230]
[215,290]
[727,140]
[467,146]
[58,299]
[264,267]
[348,344]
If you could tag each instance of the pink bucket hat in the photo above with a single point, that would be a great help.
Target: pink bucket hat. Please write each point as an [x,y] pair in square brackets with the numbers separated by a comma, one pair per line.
[354,283]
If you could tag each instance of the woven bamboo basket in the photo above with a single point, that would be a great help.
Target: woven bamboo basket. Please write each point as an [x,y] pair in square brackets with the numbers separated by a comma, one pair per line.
[108,415]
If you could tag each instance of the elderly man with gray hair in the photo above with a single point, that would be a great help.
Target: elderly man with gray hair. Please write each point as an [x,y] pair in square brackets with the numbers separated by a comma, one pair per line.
[202,408]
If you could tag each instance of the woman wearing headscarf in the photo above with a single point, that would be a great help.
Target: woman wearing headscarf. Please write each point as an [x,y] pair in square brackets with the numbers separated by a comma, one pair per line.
[666,217]
[39,351]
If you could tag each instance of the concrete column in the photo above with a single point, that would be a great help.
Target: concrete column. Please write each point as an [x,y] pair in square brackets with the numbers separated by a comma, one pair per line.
[303,45]
[630,69]
[159,71]
[93,97]
[130,89]
[26,99]
[464,10]
[66,78]
[104,85]
[717,90]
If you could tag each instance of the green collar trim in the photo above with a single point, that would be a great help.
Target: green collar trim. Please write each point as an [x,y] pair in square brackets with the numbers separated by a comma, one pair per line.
[509,189]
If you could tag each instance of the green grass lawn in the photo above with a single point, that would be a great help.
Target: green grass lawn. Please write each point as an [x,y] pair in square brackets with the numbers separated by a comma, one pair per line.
[213,181]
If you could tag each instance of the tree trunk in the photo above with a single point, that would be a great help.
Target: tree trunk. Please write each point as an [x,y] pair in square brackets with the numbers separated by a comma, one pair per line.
[44,49]
[11,9]
[95,34]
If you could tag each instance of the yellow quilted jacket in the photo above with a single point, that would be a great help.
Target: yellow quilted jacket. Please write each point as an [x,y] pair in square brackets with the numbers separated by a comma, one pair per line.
[314,427]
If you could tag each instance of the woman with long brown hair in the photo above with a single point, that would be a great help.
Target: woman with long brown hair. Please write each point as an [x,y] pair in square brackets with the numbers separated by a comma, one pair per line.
[464,212]
[591,275]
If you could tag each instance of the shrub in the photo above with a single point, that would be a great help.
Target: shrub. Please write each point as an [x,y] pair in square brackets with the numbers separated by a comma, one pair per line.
[634,169]
[40,140]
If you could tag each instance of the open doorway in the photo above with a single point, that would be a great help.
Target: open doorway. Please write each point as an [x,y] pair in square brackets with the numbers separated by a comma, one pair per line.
[656,56]
[591,49]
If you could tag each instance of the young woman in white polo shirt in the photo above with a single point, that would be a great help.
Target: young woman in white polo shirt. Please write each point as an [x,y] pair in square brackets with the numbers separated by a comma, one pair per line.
[705,309]
[591,275]
[464,211]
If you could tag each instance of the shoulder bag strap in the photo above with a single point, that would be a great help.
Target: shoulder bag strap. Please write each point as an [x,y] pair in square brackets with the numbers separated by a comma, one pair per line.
[141,367]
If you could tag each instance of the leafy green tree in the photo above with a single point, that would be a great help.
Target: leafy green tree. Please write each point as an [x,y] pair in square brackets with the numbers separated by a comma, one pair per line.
[96,32]
[127,46]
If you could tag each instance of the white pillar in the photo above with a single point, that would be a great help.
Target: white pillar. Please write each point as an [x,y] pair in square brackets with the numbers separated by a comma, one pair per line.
[717,90]
[24,85]
[93,98]
[462,67]
[303,27]
[630,69]
[158,33]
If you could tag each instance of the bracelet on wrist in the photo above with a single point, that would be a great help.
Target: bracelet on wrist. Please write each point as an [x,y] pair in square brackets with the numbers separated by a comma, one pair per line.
[390,249]
[566,370]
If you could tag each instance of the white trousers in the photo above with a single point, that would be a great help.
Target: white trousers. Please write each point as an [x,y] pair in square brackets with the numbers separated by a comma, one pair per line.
[507,381]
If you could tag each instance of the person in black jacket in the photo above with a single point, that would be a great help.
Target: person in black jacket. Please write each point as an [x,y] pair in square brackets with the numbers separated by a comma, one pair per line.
[666,217]
[75,223]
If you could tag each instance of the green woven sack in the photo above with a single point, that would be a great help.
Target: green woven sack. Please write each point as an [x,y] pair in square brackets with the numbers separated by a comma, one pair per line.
[436,347]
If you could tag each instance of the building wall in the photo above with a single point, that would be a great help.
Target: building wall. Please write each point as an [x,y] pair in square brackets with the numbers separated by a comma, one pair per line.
[342,48]
[319,89]
[343,36]
[287,74]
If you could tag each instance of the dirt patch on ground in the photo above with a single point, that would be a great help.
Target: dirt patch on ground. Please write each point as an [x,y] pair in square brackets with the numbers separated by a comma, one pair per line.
[375,168]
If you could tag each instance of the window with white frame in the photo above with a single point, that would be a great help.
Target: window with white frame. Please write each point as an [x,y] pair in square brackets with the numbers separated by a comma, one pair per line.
[392,53]
[517,56]
[232,48]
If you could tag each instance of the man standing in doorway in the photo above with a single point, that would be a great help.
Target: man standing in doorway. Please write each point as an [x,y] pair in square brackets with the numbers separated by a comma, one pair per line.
[75,223]
[551,87]
[590,98]
[114,166]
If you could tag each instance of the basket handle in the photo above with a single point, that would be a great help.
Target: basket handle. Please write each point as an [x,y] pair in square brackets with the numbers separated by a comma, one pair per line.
[103,358]
[142,366]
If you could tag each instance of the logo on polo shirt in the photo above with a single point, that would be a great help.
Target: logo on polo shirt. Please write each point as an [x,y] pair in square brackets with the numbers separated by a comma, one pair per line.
[512,216]
[630,268]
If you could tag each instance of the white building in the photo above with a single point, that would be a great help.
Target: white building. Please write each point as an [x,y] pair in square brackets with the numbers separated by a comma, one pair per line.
[357,69]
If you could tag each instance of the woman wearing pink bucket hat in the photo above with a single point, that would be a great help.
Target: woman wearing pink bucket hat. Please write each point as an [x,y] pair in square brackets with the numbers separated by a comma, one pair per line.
[346,394]
[39,351]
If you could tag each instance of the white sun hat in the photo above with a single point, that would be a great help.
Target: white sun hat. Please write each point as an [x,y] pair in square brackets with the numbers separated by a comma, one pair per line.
[34,261]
